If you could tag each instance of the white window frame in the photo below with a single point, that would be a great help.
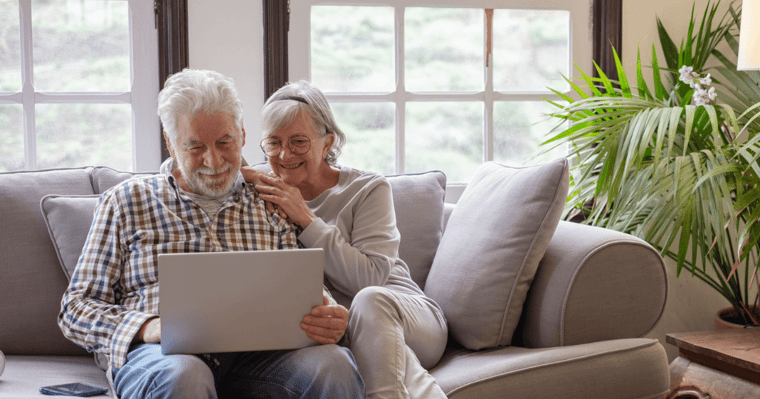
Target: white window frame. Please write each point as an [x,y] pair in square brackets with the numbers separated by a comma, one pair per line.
[143,50]
[299,61]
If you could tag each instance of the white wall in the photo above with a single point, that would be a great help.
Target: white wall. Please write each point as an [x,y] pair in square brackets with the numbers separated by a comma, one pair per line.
[228,37]
[691,304]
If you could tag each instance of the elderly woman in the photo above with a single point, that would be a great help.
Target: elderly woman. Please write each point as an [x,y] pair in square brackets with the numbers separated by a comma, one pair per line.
[395,332]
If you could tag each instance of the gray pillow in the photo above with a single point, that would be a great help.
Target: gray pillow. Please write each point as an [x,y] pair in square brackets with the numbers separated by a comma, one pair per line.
[418,201]
[68,219]
[490,249]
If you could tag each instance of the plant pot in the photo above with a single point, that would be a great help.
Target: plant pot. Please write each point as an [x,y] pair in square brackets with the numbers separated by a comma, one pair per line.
[727,318]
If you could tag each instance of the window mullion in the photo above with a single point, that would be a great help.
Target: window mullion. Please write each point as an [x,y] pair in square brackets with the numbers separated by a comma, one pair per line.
[400,93]
[143,43]
[489,95]
[27,84]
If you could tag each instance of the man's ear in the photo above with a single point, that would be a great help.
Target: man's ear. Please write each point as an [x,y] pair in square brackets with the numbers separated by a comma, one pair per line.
[169,144]
[242,128]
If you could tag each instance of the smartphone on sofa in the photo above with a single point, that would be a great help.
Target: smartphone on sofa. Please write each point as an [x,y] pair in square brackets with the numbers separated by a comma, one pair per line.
[73,389]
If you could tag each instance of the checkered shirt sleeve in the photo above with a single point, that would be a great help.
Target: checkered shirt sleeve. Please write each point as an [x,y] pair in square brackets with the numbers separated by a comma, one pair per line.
[114,288]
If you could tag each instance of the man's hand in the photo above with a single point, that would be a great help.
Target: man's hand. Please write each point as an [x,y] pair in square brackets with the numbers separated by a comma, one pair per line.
[150,332]
[327,323]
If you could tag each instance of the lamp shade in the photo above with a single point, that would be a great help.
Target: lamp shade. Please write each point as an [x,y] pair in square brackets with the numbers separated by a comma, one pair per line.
[749,37]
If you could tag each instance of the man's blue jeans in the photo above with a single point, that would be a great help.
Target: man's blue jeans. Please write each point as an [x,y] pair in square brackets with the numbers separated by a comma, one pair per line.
[323,371]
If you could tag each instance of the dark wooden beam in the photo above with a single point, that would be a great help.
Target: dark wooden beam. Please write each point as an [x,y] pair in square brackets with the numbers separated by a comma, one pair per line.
[171,20]
[607,33]
[276,26]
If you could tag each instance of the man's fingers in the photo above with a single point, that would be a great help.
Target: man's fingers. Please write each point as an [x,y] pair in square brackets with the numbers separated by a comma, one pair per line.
[330,311]
[152,332]
[332,323]
[322,335]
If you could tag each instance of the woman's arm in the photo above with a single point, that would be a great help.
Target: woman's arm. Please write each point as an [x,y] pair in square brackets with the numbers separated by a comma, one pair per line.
[361,243]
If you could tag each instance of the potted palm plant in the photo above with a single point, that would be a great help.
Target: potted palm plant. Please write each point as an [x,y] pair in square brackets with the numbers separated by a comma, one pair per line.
[675,163]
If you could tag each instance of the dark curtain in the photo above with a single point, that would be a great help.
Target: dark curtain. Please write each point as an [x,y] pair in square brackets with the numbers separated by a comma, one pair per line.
[171,21]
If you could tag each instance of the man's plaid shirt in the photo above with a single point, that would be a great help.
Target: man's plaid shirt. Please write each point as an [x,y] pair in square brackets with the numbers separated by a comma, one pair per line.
[114,289]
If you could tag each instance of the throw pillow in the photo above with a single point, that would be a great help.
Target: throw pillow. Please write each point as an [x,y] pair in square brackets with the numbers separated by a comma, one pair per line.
[418,201]
[491,247]
[68,219]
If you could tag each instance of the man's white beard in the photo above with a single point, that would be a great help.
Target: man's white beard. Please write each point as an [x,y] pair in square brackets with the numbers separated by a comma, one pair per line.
[198,183]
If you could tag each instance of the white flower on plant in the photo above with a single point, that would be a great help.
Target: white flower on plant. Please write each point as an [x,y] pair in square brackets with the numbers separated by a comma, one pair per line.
[703,93]
[687,73]
[702,96]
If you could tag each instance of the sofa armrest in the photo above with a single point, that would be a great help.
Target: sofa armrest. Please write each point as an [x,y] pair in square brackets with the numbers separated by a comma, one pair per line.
[593,284]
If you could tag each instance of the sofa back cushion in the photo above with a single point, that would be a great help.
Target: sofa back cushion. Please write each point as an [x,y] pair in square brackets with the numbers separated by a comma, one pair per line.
[418,202]
[490,250]
[68,219]
[32,282]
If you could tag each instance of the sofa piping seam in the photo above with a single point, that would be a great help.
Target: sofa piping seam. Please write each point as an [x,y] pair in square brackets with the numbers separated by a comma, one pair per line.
[543,365]
[583,263]
[505,315]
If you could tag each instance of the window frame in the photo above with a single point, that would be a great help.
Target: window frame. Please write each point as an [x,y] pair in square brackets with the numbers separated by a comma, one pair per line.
[607,17]
[606,34]
[141,96]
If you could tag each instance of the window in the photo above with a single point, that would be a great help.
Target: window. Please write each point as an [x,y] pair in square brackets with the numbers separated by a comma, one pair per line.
[71,93]
[441,86]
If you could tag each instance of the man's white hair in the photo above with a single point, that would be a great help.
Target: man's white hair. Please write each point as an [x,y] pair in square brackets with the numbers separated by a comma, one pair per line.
[194,90]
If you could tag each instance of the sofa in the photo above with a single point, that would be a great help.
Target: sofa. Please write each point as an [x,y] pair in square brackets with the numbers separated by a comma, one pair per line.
[537,307]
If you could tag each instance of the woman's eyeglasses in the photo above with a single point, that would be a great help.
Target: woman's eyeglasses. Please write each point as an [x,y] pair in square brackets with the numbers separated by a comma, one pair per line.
[298,145]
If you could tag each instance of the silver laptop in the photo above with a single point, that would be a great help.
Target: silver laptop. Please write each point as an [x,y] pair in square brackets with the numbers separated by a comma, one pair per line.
[237,301]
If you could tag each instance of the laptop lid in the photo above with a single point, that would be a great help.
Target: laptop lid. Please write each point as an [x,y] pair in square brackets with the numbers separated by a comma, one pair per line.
[237,301]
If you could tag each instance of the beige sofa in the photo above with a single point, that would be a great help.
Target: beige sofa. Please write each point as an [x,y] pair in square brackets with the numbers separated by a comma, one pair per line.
[576,333]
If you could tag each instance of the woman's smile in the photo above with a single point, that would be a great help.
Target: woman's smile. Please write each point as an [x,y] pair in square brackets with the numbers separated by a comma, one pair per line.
[291,166]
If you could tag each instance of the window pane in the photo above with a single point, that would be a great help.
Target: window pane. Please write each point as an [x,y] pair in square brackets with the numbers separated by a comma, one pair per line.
[444,49]
[81,45]
[370,135]
[10,47]
[84,134]
[352,48]
[531,49]
[11,138]
[519,129]
[446,136]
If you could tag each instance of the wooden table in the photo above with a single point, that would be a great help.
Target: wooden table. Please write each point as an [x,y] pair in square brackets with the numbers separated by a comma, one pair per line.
[716,364]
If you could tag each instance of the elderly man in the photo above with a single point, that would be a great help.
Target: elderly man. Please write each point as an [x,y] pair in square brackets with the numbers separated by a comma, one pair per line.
[199,202]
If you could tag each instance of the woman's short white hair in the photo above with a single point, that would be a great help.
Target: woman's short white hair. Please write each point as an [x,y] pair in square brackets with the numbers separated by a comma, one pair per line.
[282,107]
[194,90]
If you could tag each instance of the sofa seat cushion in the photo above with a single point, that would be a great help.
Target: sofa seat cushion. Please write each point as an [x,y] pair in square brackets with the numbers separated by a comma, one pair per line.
[31,280]
[491,248]
[635,368]
[24,375]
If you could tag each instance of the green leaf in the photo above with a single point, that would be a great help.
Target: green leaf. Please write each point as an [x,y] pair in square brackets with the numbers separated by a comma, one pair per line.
[659,88]
[622,80]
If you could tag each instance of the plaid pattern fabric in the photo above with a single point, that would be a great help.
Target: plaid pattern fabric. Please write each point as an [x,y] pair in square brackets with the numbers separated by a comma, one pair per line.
[114,289]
